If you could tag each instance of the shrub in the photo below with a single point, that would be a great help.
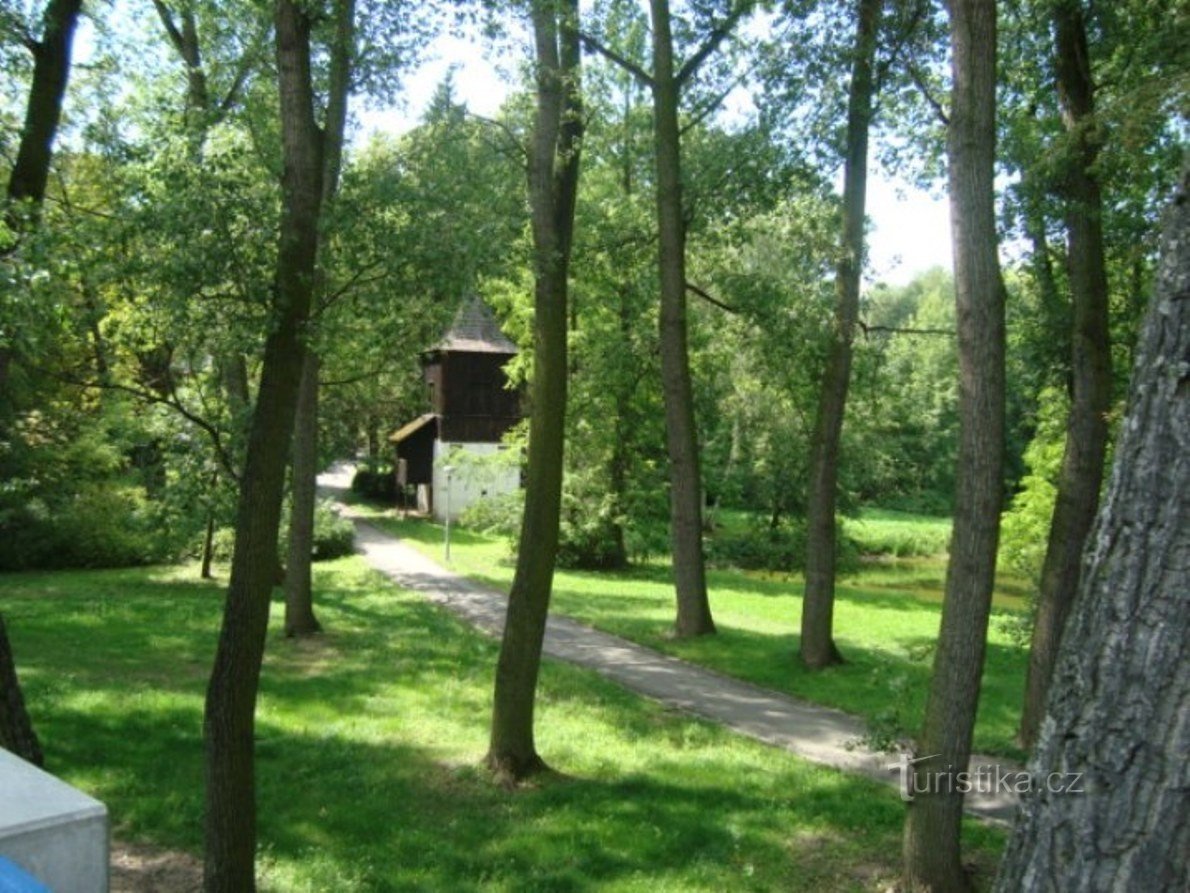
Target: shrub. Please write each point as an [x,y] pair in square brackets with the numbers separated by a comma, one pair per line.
[104,525]
[376,481]
[782,548]
[498,515]
[334,535]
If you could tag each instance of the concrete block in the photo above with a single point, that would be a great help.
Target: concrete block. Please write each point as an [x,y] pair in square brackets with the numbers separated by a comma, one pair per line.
[57,834]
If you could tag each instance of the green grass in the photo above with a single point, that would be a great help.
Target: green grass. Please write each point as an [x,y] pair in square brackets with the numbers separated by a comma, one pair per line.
[369,738]
[886,621]
[898,534]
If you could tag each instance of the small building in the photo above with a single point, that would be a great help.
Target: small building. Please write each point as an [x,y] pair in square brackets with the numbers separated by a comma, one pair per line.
[471,408]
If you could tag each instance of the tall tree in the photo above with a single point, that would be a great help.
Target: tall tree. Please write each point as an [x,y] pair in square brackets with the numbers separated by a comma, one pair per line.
[299,593]
[817,643]
[685,476]
[1081,475]
[685,494]
[553,186]
[1115,720]
[931,841]
[26,191]
[229,720]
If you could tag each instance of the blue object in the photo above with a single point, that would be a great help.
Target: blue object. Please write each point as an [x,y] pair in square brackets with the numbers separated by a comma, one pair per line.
[14,879]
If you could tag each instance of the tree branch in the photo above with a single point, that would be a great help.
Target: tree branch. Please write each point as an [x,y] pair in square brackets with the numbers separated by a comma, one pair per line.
[358,278]
[612,56]
[706,296]
[924,89]
[712,43]
[352,379]
[171,28]
[708,109]
[898,330]
[173,402]
[513,140]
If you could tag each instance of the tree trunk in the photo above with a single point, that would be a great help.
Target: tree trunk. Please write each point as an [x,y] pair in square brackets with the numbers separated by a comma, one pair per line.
[685,493]
[299,594]
[299,597]
[1115,722]
[1081,474]
[51,70]
[16,731]
[931,843]
[553,186]
[229,721]
[27,183]
[818,605]
[208,549]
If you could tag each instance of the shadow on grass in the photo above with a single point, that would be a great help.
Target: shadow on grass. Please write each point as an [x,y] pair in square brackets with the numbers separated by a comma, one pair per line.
[368,742]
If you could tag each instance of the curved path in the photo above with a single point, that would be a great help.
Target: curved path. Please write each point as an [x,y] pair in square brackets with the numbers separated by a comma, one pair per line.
[816,733]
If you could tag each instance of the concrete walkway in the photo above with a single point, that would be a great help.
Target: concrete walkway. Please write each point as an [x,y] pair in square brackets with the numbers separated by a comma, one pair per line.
[815,733]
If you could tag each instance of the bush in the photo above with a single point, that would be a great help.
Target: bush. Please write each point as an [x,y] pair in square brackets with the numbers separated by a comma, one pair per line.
[781,549]
[498,515]
[375,481]
[105,525]
[334,536]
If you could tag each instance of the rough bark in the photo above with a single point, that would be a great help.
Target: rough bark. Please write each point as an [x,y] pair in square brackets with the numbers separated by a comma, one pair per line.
[553,186]
[299,593]
[16,730]
[229,720]
[1081,474]
[51,70]
[1117,710]
[685,477]
[931,841]
[817,643]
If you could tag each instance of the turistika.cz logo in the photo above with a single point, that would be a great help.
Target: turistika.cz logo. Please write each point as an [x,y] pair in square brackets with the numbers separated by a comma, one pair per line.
[991,780]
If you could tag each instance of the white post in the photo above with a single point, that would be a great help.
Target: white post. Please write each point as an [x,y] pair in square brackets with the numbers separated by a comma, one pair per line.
[447,470]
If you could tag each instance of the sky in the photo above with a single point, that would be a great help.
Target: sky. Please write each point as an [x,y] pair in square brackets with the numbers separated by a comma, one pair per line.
[910,229]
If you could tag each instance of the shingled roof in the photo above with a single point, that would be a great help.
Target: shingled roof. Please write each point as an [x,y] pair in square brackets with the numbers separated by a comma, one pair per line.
[475,330]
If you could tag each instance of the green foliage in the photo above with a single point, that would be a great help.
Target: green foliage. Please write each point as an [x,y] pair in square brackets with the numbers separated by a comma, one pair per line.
[376,480]
[1024,528]
[498,515]
[334,537]
[782,549]
[104,524]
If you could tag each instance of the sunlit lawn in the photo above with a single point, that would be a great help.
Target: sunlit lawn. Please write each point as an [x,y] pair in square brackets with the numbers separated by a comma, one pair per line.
[886,621]
[370,736]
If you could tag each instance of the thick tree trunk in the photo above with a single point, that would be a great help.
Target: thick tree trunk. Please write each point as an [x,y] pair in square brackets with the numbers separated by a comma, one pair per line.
[1116,718]
[51,70]
[931,843]
[818,645]
[685,493]
[229,721]
[1081,475]
[16,731]
[553,187]
[299,595]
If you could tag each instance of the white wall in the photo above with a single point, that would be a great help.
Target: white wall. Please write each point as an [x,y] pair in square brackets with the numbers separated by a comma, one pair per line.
[474,476]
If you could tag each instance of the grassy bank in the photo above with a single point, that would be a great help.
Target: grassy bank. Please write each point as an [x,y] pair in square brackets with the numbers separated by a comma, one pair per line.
[368,743]
[886,621]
